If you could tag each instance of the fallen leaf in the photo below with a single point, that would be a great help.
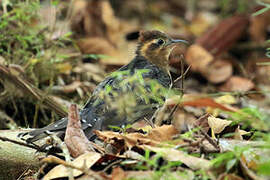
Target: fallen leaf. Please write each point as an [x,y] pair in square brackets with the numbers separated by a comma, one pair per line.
[226,99]
[236,83]
[118,173]
[170,154]
[217,124]
[222,36]
[201,22]
[230,144]
[202,122]
[85,160]
[196,100]
[258,25]
[198,57]
[75,139]
[95,45]
[218,71]
[239,133]
[153,138]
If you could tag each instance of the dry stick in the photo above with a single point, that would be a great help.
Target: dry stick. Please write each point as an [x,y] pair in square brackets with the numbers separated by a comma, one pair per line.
[31,90]
[150,122]
[182,77]
[23,173]
[33,146]
[210,140]
[110,165]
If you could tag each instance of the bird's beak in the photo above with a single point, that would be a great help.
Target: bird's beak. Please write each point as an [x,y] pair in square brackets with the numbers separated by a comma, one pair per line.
[173,41]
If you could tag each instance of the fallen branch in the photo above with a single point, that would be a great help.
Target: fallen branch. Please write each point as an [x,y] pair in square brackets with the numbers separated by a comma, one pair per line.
[29,89]
[16,156]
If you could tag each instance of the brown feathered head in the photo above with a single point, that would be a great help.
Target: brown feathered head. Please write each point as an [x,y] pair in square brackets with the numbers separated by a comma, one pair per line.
[156,46]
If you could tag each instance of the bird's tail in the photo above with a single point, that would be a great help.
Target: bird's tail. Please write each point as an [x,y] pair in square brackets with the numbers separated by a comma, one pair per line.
[89,122]
[37,134]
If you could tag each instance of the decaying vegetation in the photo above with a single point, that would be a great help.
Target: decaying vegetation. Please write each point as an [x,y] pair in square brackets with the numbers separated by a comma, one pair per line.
[214,123]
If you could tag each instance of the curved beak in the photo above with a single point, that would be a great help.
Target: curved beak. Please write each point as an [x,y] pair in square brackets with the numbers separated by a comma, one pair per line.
[173,41]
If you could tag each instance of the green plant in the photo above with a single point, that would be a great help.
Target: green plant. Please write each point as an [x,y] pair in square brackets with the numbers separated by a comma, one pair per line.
[227,6]
[229,159]
[259,12]
[263,10]
[251,116]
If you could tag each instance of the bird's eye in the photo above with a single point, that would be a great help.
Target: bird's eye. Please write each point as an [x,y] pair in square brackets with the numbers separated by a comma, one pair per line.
[160,42]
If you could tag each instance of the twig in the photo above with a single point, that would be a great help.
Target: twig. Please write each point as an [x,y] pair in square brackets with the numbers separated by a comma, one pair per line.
[20,177]
[172,113]
[33,146]
[180,77]
[150,122]
[210,140]
[110,165]
[28,88]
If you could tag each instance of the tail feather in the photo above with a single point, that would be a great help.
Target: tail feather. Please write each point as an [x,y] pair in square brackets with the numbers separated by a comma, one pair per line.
[89,122]
[37,134]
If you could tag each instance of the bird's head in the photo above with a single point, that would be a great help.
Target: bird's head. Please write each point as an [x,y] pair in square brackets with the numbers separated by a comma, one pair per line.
[156,47]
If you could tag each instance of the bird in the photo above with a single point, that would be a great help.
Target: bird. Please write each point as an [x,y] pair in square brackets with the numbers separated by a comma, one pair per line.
[133,92]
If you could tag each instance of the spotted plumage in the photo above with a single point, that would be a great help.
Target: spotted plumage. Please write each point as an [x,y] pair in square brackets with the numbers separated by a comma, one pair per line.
[117,100]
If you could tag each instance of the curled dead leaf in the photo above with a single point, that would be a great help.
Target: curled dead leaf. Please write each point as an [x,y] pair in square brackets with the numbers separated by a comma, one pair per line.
[75,139]
[84,161]
[239,133]
[217,124]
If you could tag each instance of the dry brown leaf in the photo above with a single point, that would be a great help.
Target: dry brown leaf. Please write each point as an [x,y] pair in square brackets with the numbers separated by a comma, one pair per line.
[95,19]
[75,139]
[198,57]
[222,36]
[202,122]
[183,120]
[217,124]
[170,154]
[202,61]
[201,22]
[207,102]
[95,45]
[118,173]
[260,72]
[218,71]
[86,160]
[239,133]
[258,26]
[236,83]
[143,175]
[153,138]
